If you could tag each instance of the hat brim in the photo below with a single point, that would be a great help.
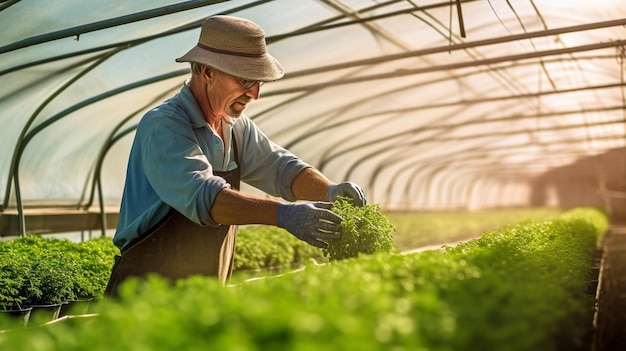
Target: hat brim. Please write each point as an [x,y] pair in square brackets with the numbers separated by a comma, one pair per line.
[262,68]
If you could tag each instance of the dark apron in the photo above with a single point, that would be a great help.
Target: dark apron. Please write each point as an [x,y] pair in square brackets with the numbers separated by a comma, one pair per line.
[178,248]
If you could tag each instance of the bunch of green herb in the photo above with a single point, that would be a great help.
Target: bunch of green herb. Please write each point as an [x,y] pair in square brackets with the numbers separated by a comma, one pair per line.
[365,230]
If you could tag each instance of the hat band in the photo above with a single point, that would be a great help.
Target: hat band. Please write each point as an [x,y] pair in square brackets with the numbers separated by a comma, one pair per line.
[218,51]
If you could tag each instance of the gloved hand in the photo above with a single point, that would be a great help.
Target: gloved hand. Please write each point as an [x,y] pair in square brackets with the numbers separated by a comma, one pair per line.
[348,189]
[309,221]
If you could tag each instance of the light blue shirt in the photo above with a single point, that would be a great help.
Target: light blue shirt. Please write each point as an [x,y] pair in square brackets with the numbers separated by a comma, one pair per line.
[174,155]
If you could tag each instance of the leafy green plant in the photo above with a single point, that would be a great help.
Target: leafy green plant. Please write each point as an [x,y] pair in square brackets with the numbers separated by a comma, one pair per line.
[48,278]
[51,274]
[14,272]
[94,259]
[40,271]
[365,230]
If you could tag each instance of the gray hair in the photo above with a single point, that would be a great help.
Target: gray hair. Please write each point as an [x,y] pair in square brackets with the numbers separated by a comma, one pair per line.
[196,68]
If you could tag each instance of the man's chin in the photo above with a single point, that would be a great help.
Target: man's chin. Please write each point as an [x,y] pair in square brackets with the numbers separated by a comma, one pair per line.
[235,113]
[236,110]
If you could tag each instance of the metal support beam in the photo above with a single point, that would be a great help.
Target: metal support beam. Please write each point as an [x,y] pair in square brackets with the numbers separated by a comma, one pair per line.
[113,22]
[55,221]
[447,67]
[460,46]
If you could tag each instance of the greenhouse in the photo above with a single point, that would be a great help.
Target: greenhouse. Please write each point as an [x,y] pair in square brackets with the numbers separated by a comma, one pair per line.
[433,107]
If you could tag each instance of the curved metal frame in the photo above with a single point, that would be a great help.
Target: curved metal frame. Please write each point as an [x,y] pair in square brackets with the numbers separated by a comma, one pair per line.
[28,136]
[346,18]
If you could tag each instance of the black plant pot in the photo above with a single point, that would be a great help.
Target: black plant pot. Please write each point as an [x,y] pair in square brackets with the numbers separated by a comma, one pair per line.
[42,314]
[75,307]
[94,305]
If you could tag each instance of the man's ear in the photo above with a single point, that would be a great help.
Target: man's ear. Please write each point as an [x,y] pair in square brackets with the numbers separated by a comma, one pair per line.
[207,73]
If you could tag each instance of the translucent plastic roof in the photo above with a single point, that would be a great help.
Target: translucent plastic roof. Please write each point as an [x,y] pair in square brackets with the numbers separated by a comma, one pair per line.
[426,104]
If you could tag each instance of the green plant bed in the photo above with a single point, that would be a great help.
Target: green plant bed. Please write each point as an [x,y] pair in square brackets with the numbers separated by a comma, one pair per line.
[518,288]
[266,250]
[267,247]
[419,229]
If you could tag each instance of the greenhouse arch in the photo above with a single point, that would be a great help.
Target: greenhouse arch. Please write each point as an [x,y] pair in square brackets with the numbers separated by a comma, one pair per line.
[430,105]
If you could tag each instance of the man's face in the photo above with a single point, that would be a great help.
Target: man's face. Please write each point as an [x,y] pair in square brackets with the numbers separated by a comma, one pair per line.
[230,95]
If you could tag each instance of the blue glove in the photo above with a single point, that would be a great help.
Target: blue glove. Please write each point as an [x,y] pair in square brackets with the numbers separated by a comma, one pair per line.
[312,222]
[347,189]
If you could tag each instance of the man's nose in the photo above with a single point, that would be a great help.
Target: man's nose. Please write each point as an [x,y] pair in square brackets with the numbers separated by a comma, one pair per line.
[254,91]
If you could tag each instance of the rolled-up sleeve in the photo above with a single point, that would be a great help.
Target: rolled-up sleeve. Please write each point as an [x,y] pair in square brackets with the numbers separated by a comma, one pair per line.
[177,169]
[264,164]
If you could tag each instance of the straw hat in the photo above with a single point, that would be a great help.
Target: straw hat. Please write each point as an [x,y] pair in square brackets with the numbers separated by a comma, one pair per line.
[235,46]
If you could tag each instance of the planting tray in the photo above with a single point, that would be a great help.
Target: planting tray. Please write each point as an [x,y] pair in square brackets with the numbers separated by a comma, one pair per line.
[609,322]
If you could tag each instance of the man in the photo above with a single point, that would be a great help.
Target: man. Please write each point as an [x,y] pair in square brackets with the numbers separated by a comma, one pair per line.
[180,208]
